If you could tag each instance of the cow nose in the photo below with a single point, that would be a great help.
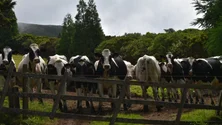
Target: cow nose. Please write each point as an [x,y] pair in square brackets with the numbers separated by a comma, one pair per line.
[36,61]
[129,77]
[106,66]
[5,62]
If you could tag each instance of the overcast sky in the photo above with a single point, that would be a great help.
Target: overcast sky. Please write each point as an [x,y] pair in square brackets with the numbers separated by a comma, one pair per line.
[117,16]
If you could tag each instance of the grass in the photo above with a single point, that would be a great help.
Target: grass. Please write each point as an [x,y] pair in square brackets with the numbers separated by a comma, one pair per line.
[137,90]
[200,116]
[129,116]
[12,119]
[17,59]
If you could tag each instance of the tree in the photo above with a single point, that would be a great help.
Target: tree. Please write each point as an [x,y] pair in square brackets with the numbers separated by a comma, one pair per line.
[211,10]
[67,37]
[89,33]
[212,21]
[8,21]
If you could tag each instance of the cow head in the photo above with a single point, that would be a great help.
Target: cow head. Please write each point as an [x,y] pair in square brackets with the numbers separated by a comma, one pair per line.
[130,70]
[34,53]
[84,67]
[57,65]
[106,57]
[7,55]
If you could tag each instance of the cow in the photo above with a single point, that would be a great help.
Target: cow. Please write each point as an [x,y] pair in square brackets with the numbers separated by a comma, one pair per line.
[179,70]
[166,79]
[130,75]
[58,65]
[5,59]
[148,70]
[35,64]
[207,70]
[84,68]
[109,66]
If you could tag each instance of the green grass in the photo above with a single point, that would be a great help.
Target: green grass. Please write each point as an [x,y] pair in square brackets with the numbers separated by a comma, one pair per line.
[200,116]
[137,90]
[129,116]
[13,119]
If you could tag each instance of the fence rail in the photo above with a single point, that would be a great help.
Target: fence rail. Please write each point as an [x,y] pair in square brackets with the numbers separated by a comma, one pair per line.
[118,101]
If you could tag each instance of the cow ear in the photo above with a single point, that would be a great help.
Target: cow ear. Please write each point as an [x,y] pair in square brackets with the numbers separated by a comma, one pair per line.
[43,50]
[15,52]
[97,55]
[114,54]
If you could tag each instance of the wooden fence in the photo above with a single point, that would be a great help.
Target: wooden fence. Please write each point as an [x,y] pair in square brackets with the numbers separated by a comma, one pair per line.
[118,101]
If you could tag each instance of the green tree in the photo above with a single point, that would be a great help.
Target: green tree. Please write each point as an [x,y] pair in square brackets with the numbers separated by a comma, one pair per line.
[8,21]
[89,33]
[67,37]
[211,10]
[212,21]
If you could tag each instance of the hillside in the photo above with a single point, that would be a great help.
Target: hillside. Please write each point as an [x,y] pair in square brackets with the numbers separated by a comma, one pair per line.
[40,30]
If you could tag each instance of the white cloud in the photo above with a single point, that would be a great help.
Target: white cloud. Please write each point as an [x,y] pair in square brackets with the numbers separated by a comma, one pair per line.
[117,16]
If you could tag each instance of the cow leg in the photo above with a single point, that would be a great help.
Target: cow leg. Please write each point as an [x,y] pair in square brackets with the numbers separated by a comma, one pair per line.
[155,94]
[30,87]
[91,102]
[39,89]
[114,90]
[162,93]
[65,108]
[85,94]
[100,88]
[79,102]
[128,95]
[144,90]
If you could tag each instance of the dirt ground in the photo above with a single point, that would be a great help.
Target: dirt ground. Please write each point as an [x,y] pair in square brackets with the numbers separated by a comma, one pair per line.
[167,113]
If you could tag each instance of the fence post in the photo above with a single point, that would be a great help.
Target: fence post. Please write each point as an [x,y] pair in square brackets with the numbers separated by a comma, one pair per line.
[118,103]
[25,83]
[180,109]
[219,103]
[56,102]
[6,85]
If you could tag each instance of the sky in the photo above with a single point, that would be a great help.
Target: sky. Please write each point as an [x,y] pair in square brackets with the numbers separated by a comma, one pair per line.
[117,16]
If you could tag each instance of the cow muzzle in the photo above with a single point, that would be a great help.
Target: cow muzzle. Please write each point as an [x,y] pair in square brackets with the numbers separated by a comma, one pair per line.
[129,77]
[5,62]
[36,60]
[106,67]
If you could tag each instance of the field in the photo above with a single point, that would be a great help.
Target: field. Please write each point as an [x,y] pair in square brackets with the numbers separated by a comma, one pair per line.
[135,112]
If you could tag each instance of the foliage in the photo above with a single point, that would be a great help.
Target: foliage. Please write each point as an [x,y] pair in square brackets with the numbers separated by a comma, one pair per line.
[89,32]
[211,10]
[188,42]
[215,40]
[40,30]
[66,42]
[211,20]
[8,21]
[22,41]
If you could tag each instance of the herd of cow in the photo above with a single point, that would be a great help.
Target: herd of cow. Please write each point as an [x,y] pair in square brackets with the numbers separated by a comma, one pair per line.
[171,69]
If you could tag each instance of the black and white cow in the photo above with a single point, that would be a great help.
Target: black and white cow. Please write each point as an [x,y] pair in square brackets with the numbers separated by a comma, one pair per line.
[58,65]
[84,68]
[35,64]
[5,59]
[179,69]
[109,66]
[148,70]
[166,79]
[207,70]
